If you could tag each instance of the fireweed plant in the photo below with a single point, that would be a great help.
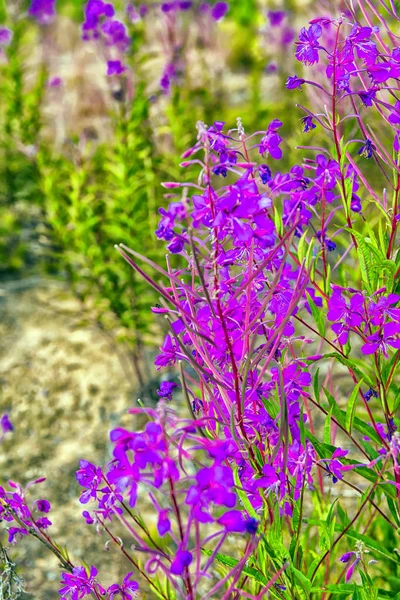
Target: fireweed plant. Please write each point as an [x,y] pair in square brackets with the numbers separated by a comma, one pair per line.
[285,280]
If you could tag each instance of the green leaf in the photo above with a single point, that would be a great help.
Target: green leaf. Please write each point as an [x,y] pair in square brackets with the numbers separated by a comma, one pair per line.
[243,496]
[317,315]
[351,407]
[301,247]
[327,427]
[231,563]
[316,385]
[302,579]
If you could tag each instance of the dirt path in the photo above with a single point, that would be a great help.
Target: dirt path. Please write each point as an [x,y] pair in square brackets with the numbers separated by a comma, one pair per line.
[64,387]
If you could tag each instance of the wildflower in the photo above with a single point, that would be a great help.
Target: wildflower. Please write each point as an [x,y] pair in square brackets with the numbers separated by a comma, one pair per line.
[294,82]
[265,173]
[335,467]
[383,309]
[42,505]
[16,532]
[220,170]
[43,523]
[166,389]
[368,96]
[6,424]
[359,40]
[351,569]
[308,45]
[55,82]
[115,67]
[182,560]
[387,336]
[271,141]
[394,116]
[355,203]
[371,394]
[346,557]
[42,10]
[327,172]
[168,354]
[219,10]
[276,17]
[79,583]
[168,76]
[6,36]
[163,523]
[88,518]
[127,590]
[89,476]
[367,149]
[308,123]
[345,316]
[233,521]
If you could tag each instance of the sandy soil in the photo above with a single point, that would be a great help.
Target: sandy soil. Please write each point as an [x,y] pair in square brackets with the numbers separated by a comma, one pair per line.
[64,387]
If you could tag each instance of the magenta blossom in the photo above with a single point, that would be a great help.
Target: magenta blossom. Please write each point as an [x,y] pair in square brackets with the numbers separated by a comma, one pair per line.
[387,336]
[308,45]
[127,591]
[79,584]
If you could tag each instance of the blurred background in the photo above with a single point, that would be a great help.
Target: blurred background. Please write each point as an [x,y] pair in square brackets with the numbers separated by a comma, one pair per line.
[82,157]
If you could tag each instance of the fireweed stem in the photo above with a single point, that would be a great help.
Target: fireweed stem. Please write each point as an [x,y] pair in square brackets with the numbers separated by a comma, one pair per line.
[353,520]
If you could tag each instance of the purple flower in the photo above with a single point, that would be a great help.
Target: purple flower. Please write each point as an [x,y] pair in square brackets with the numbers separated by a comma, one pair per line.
[168,354]
[78,584]
[276,17]
[127,590]
[335,467]
[346,557]
[327,171]
[371,394]
[308,123]
[163,523]
[350,571]
[383,309]
[55,82]
[6,424]
[308,45]
[42,10]
[368,97]
[182,560]
[294,82]
[91,477]
[265,174]
[166,389]
[6,36]
[233,521]
[387,336]
[16,532]
[367,149]
[220,170]
[219,10]
[359,40]
[345,316]
[115,67]
[42,505]
[115,33]
[271,141]
[88,518]
[43,523]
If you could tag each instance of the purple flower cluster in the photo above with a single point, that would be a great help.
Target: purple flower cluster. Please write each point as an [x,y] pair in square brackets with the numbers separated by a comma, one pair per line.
[376,320]
[43,11]
[100,23]
[14,509]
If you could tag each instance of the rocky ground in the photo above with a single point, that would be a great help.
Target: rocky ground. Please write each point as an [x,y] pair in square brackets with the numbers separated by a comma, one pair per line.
[63,384]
